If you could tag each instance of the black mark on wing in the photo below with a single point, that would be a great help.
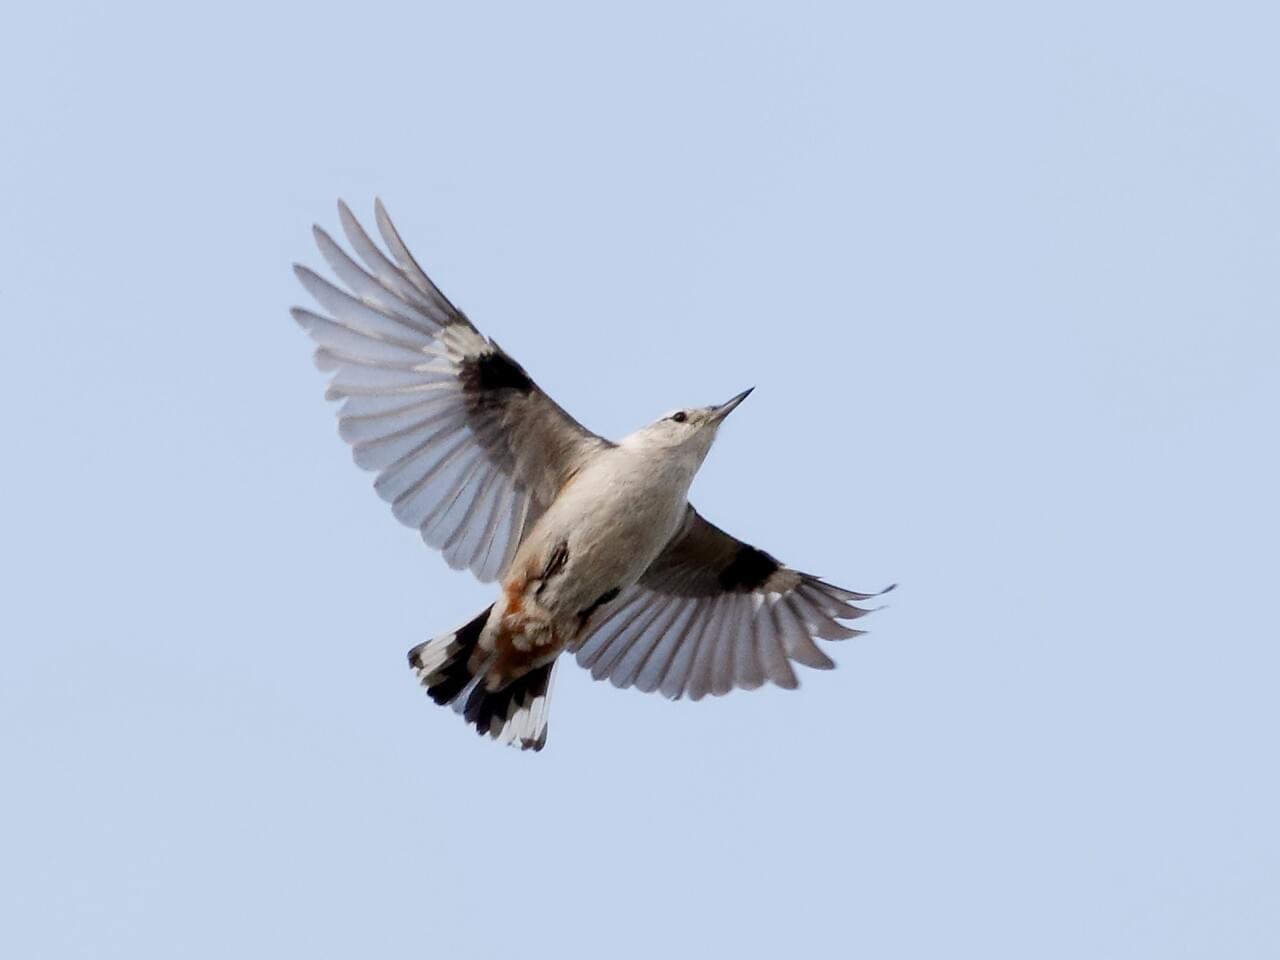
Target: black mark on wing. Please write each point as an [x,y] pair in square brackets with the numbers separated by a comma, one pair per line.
[488,372]
[749,570]
[606,597]
[555,563]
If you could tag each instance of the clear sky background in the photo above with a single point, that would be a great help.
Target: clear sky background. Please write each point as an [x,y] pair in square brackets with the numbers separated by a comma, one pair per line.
[1005,278]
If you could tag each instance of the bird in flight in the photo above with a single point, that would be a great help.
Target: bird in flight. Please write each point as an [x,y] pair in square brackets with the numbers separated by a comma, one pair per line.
[595,546]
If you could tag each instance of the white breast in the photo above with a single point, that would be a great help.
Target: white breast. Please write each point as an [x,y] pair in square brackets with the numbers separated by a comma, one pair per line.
[615,516]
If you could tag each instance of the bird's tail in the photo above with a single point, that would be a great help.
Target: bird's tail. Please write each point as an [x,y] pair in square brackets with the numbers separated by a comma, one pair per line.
[516,714]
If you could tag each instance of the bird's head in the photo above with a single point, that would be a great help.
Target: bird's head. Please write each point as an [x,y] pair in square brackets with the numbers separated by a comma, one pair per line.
[689,431]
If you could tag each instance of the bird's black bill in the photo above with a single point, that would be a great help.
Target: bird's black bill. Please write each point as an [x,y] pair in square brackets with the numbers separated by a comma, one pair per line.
[729,406]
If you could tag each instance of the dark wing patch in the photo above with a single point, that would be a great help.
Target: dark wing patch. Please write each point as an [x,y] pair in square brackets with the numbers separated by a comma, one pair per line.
[467,449]
[712,614]
[585,615]
[750,569]
[482,375]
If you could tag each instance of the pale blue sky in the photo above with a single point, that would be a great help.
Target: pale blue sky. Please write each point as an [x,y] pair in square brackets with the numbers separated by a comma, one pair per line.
[1004,277]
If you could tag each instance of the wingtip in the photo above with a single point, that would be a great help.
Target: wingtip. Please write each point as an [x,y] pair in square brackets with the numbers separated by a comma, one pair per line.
[346,217]
[383,219]
[787,683]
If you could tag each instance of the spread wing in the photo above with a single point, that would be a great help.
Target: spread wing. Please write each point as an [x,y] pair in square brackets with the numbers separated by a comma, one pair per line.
[713,613]
[466,447]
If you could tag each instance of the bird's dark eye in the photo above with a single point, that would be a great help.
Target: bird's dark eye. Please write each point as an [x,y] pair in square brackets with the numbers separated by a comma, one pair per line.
[680,416]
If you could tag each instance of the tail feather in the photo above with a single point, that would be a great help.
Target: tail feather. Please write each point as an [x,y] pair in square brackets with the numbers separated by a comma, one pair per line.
[442,664]
[515,714]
